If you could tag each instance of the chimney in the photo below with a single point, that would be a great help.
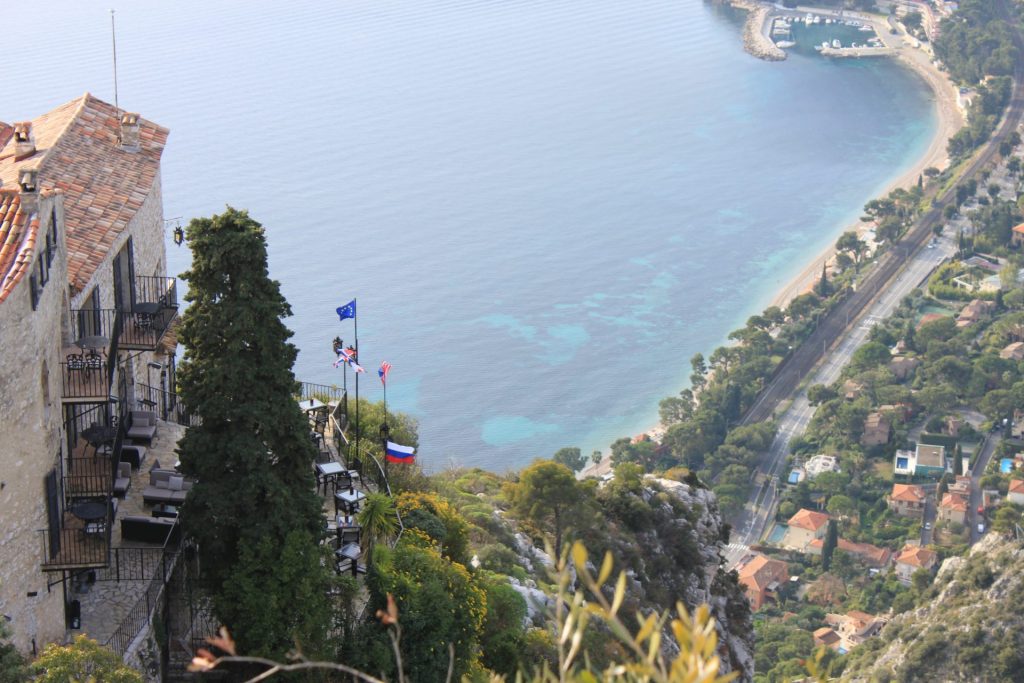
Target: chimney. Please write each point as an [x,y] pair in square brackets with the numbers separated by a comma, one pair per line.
[130,132]
[24,140]
[28,181]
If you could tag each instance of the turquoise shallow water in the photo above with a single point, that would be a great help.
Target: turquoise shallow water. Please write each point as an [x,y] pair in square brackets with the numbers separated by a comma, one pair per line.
[544,207]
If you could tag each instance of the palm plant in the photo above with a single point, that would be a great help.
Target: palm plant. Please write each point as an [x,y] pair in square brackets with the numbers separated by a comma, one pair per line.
[378,519]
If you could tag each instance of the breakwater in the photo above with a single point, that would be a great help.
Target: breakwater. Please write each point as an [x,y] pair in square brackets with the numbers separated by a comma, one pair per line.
[755,40]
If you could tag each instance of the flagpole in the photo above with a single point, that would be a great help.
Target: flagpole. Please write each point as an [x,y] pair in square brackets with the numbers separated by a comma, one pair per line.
[384,428]
[359,425]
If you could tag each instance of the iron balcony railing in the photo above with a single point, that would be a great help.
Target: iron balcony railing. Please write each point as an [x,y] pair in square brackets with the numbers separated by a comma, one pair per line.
[78,543]
[93,329]
[86,378]
[153,308]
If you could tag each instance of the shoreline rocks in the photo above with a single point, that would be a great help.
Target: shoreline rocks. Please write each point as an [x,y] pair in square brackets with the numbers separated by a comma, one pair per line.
[755,41]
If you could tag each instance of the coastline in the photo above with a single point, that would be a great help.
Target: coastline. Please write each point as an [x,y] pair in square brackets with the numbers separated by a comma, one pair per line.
[950,120]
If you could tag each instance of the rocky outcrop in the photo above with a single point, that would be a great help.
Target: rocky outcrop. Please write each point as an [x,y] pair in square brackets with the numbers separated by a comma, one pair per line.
[755,39]
[971,628]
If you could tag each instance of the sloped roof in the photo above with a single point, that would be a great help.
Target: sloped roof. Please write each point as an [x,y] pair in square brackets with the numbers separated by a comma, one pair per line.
[917,556]
[760,571]
[18,231]
[808,519]
[6,131]
[1016,486]
[78,151]
[908,493]
[954,501]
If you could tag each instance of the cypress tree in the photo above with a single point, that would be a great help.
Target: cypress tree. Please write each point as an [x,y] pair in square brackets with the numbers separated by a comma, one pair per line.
[829,547]
[253,509]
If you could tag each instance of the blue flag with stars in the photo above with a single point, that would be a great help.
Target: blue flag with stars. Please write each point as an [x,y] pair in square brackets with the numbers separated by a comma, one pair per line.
[347,311]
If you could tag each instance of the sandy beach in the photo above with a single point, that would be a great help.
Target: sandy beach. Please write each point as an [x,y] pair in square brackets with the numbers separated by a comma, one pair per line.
[950,120]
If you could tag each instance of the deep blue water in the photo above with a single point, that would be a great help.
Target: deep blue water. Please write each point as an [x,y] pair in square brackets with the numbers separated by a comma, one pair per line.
[544,207]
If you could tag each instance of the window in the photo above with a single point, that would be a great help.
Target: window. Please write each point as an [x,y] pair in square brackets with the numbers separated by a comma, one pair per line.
[33,286]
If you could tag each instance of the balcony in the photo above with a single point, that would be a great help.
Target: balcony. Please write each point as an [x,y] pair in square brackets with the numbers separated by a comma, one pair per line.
[79,539]
[94,329]
[154,306]
[86,377]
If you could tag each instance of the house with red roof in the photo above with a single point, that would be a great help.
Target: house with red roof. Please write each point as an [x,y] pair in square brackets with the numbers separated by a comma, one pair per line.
[1015,493]
[1017,235]
[761,578]
[907,500]
[911,559]
[804,527]
[953,508]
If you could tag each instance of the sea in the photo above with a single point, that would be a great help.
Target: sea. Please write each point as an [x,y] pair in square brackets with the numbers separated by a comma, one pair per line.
[544,208]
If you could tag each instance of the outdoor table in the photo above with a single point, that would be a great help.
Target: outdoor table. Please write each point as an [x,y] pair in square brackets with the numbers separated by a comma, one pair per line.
[348,499]
[311,404]
[89,511]
[99,435]
[165,510]
[330,468]
[94,342]
[146,308]
[351,552]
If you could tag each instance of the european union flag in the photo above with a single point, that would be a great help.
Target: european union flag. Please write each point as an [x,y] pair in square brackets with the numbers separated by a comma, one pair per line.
[347,311]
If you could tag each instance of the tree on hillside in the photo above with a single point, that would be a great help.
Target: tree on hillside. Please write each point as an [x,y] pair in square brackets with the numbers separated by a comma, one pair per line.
[546,495]
[571,458]
[251,455]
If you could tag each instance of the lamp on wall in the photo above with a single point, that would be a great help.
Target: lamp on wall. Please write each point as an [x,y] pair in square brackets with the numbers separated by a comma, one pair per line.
[179,235]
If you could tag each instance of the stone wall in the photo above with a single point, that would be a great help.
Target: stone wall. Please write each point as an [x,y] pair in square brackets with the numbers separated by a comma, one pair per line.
[30,443]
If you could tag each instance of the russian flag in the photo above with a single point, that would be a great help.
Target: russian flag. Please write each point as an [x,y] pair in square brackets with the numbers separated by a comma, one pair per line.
[397,453]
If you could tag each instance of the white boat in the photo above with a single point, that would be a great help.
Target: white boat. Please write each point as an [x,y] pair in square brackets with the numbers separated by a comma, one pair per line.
[828,20]
[836,44]
[825,45]
[865,28]
[785,43]
[809,19]
[817,19]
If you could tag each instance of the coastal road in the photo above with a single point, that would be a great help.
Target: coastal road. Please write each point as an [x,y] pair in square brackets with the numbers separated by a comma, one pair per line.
[759,511]
[885,271]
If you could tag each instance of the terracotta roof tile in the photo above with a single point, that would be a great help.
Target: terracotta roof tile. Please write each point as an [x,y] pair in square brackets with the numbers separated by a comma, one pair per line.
[77,151]
[917,556]
[909,493]
[1016,486]
[17,241]
[808,519]
[954,501]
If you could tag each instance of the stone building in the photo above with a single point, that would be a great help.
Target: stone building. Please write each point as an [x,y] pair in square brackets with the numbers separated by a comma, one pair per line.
[761,578]
[907,500]
[804,527]
[86,311]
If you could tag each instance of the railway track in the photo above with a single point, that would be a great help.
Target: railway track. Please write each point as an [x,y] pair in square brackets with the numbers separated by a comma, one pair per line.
[834,325]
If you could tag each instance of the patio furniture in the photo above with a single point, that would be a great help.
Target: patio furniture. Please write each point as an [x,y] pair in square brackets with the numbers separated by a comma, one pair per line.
[166,486]
[349,534]
[89,511]
[147,529]
[93,361]
[348,500]
[165,510]
[76,361]
[133,454]
[123,481]
[100,435]
[347,558]
[141,425]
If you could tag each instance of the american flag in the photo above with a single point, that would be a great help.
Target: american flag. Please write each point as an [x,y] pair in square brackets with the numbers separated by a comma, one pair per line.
[385,368]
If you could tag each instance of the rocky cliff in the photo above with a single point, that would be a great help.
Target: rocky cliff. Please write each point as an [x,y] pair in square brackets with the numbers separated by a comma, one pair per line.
[970,627]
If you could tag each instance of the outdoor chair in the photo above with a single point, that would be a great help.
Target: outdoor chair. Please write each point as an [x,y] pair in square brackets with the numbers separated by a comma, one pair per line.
[141,425]
[124,478]
[76,361]
[93,361]
[350,534]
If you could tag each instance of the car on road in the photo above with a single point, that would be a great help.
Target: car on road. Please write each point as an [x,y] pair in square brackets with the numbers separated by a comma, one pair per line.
[927,526]
[981,528]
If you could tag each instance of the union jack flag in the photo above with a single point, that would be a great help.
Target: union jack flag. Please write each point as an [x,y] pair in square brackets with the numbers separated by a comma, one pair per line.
[385,368]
